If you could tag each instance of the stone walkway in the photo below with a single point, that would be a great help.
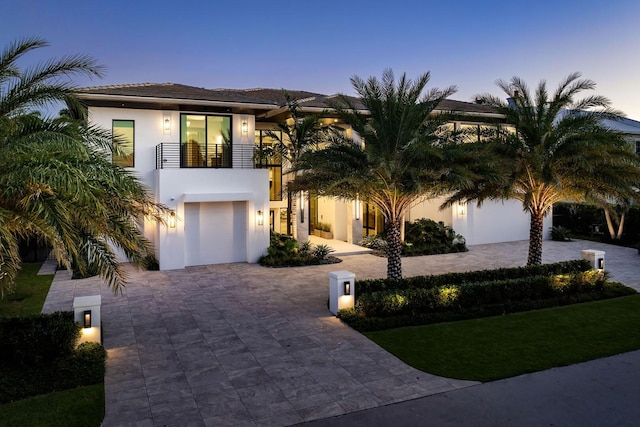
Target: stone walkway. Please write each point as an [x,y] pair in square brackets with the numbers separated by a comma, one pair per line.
[239,344]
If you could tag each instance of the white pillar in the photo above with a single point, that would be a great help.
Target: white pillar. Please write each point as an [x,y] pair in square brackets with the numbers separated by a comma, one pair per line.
[596,258]
[341,290]
[87,313]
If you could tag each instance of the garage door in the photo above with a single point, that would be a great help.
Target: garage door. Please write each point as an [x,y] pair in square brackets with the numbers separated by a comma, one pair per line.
[215,232]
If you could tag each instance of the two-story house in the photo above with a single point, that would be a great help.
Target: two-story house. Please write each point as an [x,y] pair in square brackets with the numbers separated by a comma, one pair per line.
[195,149]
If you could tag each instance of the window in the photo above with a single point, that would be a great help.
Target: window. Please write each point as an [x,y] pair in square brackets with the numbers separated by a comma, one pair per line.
[205,141]
[268,157]
[123,141]
[637,146]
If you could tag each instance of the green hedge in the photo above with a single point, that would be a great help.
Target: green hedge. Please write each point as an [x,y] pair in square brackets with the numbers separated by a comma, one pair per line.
[26,341]
[384,304]
[428,282]
[38,354]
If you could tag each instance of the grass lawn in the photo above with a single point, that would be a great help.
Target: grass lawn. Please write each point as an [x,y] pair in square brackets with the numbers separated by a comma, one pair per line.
[492,348]
[30,292]
[79,407]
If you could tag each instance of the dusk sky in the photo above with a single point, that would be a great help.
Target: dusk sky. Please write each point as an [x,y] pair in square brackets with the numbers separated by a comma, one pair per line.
[318,46]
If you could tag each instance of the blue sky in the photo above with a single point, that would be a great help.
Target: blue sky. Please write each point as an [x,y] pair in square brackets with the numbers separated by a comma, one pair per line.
[318,46]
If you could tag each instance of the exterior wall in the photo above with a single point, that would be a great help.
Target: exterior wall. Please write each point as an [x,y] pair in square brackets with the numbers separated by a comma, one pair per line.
[216,208]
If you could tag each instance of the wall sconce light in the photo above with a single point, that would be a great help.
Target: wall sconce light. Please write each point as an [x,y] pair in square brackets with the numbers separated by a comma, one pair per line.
[167,124]
[462,209]
[301,208]
[346,288]
[259,218]
[245,127]
[358,207]
[172,219]
[86,319]
[601,263]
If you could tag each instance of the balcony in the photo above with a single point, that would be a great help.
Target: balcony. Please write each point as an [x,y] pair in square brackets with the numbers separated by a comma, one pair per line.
[171,155]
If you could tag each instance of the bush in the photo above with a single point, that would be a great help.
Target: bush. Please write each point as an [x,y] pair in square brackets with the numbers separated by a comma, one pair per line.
[446,300]
[427,237]
[560,234]
[565,267]
[284,251]
[27,341]
[39,355]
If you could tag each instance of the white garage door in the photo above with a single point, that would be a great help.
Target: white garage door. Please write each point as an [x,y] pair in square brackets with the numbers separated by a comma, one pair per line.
[215,233]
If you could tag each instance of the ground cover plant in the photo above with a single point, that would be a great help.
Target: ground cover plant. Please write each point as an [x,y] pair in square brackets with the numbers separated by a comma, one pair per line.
[503,346]
[29,293]
[383,304]
[285,251]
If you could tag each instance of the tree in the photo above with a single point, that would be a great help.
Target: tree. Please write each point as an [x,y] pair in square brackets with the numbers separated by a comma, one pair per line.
[556,150]
[57,181]
[406,154]
[296,135]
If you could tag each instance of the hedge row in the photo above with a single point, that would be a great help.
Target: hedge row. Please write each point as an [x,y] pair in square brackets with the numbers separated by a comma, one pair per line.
[433,281]
[366,324]
[26,341]
[38,354]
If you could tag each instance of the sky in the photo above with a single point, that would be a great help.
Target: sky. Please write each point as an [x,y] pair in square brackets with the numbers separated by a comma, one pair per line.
[319,46]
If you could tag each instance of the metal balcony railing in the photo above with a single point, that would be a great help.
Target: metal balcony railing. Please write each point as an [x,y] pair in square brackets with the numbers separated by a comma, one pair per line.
[192,155]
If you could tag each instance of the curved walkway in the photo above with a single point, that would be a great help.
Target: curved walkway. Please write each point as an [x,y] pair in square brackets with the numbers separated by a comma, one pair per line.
[239,344]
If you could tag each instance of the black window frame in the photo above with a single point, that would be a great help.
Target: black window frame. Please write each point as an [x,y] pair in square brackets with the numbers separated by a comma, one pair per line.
[114,159]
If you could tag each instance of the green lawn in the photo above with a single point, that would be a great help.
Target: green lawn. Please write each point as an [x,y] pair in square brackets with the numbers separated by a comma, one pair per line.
[499,347]
[30,292]
[79,407]
[83,406]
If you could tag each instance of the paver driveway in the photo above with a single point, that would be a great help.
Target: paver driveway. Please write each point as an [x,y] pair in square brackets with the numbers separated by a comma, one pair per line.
[239,344]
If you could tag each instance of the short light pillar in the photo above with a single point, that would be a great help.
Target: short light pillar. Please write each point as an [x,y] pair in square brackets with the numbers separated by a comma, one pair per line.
[596,258]
[87,313]
[341,290]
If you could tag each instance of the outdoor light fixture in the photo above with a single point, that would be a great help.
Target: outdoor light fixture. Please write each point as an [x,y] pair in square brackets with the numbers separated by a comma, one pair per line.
[601,263]
[259,218]
[461,209]
[347,288]
[358,207]
[86,319]
[172,219]
[245,127]
[302,208]
[167,124]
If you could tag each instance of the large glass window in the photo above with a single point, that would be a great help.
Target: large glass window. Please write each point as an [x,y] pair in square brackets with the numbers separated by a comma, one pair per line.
[205,141]
[372,221]
[123,140]
[268,157]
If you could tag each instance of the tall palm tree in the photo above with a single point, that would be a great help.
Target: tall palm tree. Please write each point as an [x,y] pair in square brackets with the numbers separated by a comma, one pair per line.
[405,157]
[296,135]
[57,181]
[556,150]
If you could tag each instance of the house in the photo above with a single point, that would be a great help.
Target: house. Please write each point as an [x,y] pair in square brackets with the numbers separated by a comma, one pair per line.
[195,149]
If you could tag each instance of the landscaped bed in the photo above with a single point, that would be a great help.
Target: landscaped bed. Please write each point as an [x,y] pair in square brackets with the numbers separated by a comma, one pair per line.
[383,304]
[285,251]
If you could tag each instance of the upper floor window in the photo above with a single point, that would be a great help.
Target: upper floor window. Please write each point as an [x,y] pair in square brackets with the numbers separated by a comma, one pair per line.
[267,155]
[637,146]
[205,140]
[123,133]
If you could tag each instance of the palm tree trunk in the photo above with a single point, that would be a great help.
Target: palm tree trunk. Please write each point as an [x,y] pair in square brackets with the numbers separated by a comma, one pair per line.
[607,217]
[620,227]
[394,251]
[535,239]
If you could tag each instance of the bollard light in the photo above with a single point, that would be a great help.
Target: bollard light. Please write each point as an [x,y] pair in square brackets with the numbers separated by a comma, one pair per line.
[347,288]
[86,319]
[601,263]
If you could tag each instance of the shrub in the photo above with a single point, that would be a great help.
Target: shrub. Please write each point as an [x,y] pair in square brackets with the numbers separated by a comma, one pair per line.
[39,355]
[284,251]
[375,242]
[560,234]
[455,299]
[427,237]
[26,341]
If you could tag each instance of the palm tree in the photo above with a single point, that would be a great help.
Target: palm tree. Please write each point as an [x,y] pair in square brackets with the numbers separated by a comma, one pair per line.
[556,150]
[57,181]
[405,157]
[295,136]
